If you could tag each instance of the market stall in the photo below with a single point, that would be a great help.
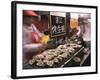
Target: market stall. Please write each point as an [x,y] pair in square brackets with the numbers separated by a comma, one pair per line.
[63,46]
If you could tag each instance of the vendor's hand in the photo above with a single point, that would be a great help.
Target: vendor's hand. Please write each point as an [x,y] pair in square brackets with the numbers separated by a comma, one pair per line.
[30,50]
[44,39]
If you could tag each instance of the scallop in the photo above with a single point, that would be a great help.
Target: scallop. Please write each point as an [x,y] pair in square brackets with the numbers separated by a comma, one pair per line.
[55,60]
[79,42]
[31,61]
[64,46]
[60,47]
[60,57]
[40,56]
[40,64]
[65,55]
[49,57]
[50,63]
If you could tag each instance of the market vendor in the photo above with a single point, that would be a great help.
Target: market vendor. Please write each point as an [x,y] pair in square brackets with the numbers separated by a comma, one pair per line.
[31,36]
[84,29]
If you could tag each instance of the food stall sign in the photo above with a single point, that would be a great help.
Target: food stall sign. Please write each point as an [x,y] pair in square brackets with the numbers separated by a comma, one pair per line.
[57,24]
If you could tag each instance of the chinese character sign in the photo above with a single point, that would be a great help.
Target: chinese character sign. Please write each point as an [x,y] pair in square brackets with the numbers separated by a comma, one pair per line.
[57,25]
